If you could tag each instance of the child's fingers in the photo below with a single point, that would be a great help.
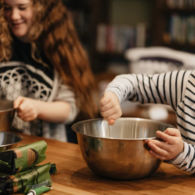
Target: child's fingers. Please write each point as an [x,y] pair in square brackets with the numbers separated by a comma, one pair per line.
[106,107]
[172,132]
[156,155]
[165,137]
[26,116]
[105,99]
[25,105]
[108,97]
[160,144]
[18,102]
[111,117]
[160,151]
[109,113]
[111,121]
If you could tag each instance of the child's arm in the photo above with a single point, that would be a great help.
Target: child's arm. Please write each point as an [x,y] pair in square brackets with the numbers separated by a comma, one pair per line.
[164,88]
[29,109]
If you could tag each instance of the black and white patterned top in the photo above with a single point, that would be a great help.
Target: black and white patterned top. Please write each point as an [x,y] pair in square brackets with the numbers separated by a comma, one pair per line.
[23,76]
[177,89]
[19,79]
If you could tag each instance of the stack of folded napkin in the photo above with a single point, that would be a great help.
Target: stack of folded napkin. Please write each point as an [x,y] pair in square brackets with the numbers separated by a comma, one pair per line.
[19,169]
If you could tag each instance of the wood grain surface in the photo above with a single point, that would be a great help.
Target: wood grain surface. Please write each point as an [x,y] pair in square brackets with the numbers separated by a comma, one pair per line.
[74,177]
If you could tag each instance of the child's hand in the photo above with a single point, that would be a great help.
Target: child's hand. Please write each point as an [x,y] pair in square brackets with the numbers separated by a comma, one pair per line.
[110,107]
[26,108]
[170,146]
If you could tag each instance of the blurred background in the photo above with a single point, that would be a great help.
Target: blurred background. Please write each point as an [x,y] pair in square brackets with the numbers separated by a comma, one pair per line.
[136,36]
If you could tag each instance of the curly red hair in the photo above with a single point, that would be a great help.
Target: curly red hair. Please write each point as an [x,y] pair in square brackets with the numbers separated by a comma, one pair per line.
[53,32]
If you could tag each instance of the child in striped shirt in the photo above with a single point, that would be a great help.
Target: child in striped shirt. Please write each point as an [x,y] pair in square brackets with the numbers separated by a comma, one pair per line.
[176,89]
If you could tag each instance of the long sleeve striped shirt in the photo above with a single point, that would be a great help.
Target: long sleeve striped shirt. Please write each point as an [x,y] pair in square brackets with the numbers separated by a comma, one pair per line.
[176,89]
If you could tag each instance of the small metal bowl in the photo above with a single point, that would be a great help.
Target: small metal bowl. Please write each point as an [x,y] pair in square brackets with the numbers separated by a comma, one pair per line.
[118,151]
[6,115]
[8,140]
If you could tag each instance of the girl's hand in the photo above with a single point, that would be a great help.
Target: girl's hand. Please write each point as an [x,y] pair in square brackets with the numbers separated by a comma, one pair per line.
[110,107]
[27,108]
[170,146]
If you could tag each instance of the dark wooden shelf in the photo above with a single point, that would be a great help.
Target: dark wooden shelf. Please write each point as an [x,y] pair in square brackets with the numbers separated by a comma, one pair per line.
[162,25]
[179,10]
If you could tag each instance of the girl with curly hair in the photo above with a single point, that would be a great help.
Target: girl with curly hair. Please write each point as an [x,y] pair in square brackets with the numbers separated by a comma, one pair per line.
[44,69]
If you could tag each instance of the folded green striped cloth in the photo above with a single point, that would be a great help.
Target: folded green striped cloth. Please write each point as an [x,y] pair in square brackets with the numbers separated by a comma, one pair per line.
[22,158]
[23,181]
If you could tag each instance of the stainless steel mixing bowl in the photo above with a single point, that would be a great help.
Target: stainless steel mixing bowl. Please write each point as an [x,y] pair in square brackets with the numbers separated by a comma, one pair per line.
[118,151]
[8,140]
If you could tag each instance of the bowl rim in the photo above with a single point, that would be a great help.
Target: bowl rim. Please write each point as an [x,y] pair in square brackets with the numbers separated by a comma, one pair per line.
[13,134]
[121,118]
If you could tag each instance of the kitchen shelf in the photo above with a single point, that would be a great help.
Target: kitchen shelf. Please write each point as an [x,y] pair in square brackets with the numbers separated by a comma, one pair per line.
[174,26]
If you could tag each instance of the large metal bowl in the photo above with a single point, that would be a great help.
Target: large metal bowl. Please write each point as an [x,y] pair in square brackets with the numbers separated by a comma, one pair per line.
[8,140]
[118,151]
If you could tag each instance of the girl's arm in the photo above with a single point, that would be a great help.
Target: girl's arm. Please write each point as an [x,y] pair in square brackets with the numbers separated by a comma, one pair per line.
[29,109]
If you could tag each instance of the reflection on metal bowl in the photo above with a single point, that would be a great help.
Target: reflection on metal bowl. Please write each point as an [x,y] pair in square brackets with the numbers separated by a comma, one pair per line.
[118,151]
[8,140]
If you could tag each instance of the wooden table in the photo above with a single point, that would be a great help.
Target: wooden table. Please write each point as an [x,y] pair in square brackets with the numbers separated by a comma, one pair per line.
[74,177]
